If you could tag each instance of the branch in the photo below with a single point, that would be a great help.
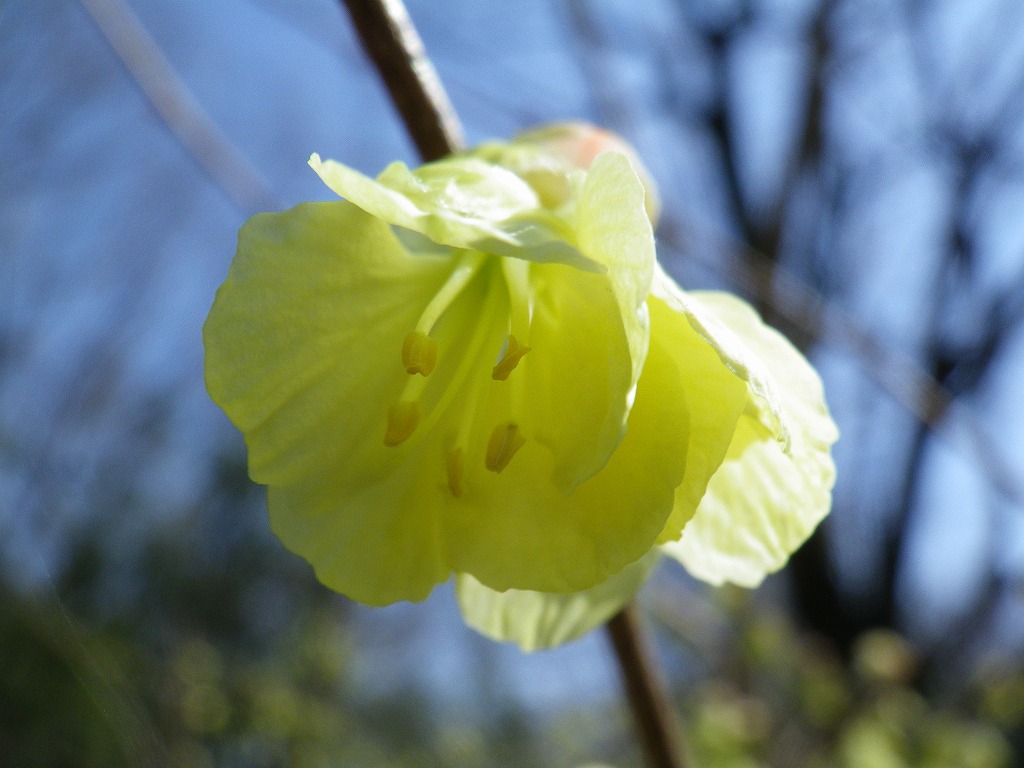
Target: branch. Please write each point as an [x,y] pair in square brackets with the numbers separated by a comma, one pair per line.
[391,41]
[646,691]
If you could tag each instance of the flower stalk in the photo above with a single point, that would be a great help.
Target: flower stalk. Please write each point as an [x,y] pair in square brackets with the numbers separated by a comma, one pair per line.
[645,689]
[391,41]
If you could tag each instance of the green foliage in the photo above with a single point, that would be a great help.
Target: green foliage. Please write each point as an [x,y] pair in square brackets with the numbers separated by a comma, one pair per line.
[782,698]
[52,686]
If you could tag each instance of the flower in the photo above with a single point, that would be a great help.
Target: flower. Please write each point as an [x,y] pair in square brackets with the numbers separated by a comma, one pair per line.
[477,367]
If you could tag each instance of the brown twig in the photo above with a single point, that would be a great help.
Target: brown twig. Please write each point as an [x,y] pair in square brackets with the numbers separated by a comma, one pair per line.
[391,41]
[645,689]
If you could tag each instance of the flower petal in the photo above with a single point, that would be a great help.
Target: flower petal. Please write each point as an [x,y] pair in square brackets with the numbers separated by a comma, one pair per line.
[716,395]
[775,485]
[579,373]
[377,544]
[536,620]
[461,202]
[297,354]
[593,329]
[314,295]
[614,230]
[518,530]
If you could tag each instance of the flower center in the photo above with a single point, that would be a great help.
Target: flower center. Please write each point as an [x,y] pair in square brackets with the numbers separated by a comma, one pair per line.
[465,375]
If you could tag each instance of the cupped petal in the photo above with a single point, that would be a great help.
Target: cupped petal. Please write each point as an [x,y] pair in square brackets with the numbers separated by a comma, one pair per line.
[303,352]
[775,484]
[462,202]
[536,620]
[579,374]
[716,395]
[519,530]
[590,333]
[297,340]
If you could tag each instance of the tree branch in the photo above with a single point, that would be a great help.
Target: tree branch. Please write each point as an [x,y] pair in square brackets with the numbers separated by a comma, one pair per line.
[645,689]
[391,42]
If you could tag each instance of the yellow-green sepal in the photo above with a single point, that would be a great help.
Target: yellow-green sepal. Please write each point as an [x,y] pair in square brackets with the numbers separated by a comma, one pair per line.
[461,202]
[715,394]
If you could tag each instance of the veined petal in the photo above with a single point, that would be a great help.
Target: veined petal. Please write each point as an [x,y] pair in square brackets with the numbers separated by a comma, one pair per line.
[295,337]
[376,543]
[519,530]
[614,230]
[771,492]
[578,376]
[536,620]
[461,202]
[297,354]
[593,330]
[716,398]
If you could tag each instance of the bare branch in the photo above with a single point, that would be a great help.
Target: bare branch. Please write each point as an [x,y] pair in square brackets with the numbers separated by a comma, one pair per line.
[393,44]
[646,691]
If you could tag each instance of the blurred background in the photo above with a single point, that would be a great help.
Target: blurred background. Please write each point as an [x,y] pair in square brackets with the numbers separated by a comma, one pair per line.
[854,167]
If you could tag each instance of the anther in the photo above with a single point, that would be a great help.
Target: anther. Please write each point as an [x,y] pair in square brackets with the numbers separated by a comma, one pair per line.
[419,353]
[505,440]
[514,352]
[402,420]
[456,466]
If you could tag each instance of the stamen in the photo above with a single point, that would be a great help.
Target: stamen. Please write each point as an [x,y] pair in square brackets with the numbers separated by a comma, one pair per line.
[505,440]
[468,266]
[419,353]
[514,352]
[403,418]
[456,464]
[517,283]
